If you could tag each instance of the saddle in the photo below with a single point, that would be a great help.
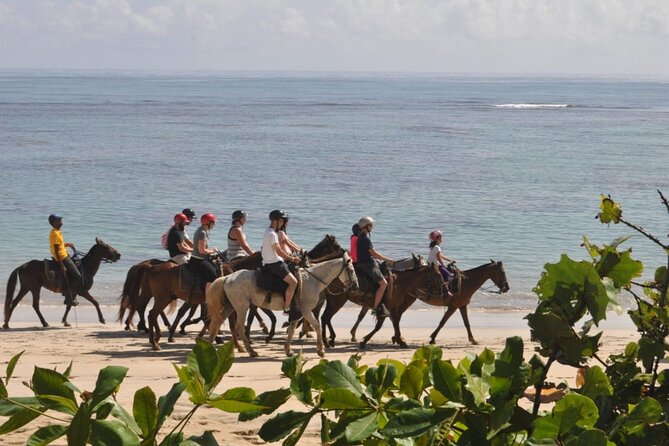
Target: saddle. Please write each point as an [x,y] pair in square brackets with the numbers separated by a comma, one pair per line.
[189,278]
[273,284]
[413,262]
[54,277]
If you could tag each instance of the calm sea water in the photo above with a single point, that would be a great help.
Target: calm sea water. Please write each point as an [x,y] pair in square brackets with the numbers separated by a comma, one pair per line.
[508,168]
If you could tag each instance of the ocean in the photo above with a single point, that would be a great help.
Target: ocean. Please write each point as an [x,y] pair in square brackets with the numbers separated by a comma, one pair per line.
[509,168]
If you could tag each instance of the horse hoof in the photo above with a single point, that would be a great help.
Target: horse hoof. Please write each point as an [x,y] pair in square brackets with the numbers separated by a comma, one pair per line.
[403,344]
[218,340]
[321,353]
[45,325]
[182,331]
[362,345]
[6,326]
[331,343]
[432,342]
[301,335]
[66,324]
[253,354]
[170,340]
[310,335]
[267,339]
[265,330]
[102,321]
[155,347]
[473,341]
[353,339]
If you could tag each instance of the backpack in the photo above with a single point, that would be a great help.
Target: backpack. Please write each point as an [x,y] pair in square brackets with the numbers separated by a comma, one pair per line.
[163,238]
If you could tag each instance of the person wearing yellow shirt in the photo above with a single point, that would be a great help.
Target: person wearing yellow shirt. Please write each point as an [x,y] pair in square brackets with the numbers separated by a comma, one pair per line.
[67,266]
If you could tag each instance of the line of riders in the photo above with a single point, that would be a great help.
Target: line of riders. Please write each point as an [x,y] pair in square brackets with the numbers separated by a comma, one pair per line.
[280,254]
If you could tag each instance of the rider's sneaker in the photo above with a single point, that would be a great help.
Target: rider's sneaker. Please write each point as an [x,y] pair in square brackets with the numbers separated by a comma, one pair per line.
[381,311]
[71,302]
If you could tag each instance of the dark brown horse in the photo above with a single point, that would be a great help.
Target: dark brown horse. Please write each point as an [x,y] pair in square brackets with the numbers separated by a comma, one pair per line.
[472,280]
[33,278]
[406,287]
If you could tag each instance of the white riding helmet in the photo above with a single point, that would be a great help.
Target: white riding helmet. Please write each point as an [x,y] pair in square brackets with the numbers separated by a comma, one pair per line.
[364,221]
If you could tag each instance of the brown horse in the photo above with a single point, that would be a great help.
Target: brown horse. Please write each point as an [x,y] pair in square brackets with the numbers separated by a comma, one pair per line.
[407,286]
[32,277]
[472,280]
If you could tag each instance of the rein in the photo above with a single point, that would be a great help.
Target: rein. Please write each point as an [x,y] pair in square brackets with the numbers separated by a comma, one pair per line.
[327,285]
[80,255]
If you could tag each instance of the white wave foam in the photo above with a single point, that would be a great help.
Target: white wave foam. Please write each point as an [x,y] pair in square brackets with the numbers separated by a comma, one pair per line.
[532,105]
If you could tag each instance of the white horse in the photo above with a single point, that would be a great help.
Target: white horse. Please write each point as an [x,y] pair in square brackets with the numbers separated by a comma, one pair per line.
[237,291]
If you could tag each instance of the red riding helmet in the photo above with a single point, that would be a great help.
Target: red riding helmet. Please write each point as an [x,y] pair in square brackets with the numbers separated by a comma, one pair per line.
[181,218]
[434,235]
[208,218]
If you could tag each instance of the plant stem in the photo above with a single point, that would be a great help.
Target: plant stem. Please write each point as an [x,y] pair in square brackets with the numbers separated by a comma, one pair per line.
[43,414]
[644,232]
[540,384]
[184,421]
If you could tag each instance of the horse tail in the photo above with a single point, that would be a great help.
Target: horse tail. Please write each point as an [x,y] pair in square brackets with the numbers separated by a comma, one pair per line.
[131,288]
[11,286]
[216,300]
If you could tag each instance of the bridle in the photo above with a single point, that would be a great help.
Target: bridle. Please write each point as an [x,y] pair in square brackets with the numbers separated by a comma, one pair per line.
[344,266]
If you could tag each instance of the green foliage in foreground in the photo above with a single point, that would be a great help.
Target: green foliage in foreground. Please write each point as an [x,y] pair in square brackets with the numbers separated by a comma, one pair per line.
[428,401]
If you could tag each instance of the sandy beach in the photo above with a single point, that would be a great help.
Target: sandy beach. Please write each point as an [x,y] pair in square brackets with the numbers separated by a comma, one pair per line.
[91,346]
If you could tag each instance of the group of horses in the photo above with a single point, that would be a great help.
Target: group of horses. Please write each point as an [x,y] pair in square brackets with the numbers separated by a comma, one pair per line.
[329,279]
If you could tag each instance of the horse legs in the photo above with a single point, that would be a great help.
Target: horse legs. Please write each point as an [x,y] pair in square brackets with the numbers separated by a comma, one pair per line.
[377,327]
[87,295]
[272,330]
[395,319]
[361,315]
[22,292]
[166,322]
[331,308]
[447,315]
[241,331]
[313,322]
[35,307]
[189,319]
[465,319]
[289,337]
[154,328]
[185,307]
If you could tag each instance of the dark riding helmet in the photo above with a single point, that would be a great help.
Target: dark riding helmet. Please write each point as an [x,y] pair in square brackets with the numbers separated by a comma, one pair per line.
[355,229]
[188,212]
[238,215]
[53,218]
[277,215]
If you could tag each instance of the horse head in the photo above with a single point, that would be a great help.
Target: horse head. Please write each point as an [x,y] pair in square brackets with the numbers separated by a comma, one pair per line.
[499,276]
[350,279]
[326,246]
[104,251]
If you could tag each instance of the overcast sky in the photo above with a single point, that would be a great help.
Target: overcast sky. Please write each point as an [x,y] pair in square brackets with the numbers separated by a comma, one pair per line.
[452,36]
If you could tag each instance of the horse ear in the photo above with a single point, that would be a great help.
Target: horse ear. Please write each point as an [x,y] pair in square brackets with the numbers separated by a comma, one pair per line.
[97,240]
[492,261]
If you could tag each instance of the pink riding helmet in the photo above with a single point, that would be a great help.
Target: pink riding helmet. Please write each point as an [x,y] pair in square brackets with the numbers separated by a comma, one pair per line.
[434,235]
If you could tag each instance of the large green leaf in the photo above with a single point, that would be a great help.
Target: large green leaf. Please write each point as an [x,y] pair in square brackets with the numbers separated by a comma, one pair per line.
[447,380]
[649,350]
[410,423]
[166,403]
[271,401]
[300,385]
[510,359]
[411,382]
[342,399]
[145,410]
[10,367]
[283,424]
[596,383]
[296,435]
[593,437]
[80,427]
[427,353]
[202,360]
[479,389]
[47,434]
[50,382]
[339,375]
[108,382]
[362,428]
[19,419]
[619,266]
[194,384]
[233,406]
[8,408]
[572,410]
[292,365]
[112,433]
[3,390]
[644,414]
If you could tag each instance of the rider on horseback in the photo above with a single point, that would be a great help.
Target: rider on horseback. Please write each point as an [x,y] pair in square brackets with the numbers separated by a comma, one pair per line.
[201,251]
[60,255]
[367,261]
[273,256]
[188,212]
[436,257]
[237,244]
[177,243]
[286,243]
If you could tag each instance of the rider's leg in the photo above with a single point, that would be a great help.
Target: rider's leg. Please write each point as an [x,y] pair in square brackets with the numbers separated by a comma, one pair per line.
[290,291]
[73,277]
[383,284]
